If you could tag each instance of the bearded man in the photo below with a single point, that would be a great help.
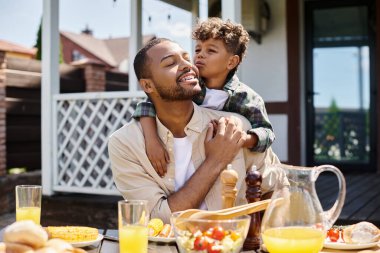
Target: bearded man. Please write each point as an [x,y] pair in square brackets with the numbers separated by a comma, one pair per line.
[198,152]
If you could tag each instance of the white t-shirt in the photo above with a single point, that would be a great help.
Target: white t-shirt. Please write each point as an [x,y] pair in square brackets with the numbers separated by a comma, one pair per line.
[184,167]
[215,99]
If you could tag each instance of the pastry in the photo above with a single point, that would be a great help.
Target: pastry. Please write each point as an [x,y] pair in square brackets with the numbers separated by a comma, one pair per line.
[362,232]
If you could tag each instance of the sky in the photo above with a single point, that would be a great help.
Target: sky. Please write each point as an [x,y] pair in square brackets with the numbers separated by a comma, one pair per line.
[20,19]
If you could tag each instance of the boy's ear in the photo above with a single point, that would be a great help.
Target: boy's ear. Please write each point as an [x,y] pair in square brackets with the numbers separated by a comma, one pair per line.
[233,62]
[146,85]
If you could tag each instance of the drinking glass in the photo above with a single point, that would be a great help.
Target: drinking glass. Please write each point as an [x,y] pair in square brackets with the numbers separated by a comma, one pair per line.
[133,230]
[28,203]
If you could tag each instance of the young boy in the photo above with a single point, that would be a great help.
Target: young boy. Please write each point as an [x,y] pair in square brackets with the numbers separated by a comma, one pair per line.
[220,47]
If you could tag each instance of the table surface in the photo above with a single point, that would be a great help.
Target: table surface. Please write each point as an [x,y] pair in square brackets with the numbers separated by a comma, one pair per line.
[111,246]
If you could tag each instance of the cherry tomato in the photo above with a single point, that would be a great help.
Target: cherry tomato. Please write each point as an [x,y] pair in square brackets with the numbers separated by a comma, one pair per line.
[218,233]
[333,234]
[200,243]
[214,248]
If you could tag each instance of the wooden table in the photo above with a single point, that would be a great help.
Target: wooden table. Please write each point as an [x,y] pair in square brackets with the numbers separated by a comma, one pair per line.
[110,246]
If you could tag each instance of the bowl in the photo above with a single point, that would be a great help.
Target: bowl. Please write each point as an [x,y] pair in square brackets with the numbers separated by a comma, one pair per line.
[202,235]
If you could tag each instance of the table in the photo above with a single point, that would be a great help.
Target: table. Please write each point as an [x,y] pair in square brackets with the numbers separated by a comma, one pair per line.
[110,246]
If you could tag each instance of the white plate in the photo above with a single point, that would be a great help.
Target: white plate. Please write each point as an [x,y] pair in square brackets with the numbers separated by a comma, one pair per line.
[161,239]
[87,243]
[341,245]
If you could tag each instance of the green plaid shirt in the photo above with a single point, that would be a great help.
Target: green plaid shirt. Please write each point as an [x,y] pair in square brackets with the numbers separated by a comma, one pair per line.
[242,100]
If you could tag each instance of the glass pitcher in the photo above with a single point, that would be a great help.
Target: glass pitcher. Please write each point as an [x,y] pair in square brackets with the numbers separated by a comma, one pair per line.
[295,222]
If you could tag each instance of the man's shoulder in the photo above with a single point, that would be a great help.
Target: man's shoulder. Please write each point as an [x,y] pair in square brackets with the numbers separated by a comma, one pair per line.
[130,132]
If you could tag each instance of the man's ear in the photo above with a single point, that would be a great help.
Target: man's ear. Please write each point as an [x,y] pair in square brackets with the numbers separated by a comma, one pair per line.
[146,85]
[233,61]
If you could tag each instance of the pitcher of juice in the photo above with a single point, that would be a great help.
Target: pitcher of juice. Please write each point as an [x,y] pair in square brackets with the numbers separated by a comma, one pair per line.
[295,222]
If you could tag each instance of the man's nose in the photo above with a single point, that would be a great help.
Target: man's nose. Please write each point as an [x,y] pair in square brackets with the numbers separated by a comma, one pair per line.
[186,65]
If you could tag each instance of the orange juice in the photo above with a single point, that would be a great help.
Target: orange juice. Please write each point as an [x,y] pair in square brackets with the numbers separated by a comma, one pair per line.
[29,213]
[133,239]
[293,240]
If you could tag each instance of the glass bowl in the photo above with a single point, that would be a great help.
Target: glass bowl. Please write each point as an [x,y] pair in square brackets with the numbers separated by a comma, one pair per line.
[201,235]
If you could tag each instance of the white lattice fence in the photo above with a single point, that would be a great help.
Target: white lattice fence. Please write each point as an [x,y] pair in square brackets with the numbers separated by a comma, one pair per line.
[82,124]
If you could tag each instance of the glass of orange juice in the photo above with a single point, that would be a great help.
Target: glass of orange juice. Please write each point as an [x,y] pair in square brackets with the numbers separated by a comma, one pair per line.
[133,231]
[28,203]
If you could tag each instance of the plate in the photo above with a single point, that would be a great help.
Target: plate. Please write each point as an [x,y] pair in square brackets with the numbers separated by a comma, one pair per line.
[87,243]
[341,245]
[161,239]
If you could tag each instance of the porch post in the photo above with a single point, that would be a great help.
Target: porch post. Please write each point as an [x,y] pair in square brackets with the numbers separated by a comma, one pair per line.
[135,41]
[49,87]
[195,14]
[231,10]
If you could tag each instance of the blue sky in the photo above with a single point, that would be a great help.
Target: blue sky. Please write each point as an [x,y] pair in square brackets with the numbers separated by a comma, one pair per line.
[20,19]
[336,75]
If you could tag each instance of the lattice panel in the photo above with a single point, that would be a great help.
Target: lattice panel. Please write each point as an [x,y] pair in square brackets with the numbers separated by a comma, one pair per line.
[83,127]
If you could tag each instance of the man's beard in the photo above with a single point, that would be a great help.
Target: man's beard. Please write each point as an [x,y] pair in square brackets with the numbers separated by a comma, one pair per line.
[177,93]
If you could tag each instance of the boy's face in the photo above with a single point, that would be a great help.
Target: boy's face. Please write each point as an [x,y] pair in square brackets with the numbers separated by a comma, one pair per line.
[213,60]
[173,75]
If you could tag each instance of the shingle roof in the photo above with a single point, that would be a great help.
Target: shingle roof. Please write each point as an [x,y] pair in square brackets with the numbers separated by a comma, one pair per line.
[111,51]
[12,47]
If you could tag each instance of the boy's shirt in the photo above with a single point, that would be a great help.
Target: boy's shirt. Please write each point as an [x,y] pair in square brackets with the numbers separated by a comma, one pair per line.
[242,100]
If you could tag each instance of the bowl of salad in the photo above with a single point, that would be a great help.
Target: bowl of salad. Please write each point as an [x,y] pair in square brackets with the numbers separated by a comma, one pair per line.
[210,236]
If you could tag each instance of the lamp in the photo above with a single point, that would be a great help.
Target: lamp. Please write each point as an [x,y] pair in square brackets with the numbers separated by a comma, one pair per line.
[255,18]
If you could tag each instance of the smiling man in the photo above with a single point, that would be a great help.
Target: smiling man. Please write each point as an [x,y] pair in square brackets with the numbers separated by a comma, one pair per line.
[197,155]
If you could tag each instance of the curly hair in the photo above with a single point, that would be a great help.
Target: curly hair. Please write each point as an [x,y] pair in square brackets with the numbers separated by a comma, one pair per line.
[234,36]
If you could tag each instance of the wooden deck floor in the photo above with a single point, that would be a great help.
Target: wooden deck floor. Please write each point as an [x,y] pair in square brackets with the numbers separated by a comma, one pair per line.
[362,198]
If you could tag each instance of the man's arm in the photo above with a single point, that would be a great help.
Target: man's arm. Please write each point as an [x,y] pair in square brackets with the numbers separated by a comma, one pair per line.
[220,151]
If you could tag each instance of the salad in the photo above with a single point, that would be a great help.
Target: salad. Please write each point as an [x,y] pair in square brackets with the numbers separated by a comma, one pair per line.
[213,240]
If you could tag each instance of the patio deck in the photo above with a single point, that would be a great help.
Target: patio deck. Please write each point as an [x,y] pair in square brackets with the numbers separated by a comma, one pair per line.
[362,198]
[362,203]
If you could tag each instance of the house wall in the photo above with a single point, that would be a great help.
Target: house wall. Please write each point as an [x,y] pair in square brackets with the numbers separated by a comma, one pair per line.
[265,70]
[68,47]
[19,55]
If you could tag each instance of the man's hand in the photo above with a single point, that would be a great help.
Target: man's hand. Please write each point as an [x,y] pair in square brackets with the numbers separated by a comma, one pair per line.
[226,143]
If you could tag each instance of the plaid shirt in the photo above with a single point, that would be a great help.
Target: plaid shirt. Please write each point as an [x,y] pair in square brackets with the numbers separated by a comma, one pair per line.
[242,100]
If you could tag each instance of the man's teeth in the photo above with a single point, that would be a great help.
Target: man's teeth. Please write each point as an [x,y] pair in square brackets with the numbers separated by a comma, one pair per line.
[187,78]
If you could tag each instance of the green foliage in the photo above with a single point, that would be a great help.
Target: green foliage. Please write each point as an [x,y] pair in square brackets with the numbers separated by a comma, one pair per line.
[38,45]
[332,124]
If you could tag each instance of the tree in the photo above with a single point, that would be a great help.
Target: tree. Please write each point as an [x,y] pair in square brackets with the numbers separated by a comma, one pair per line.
[38,45]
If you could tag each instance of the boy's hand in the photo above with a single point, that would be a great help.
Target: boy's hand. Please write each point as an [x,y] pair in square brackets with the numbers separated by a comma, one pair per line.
[158,156]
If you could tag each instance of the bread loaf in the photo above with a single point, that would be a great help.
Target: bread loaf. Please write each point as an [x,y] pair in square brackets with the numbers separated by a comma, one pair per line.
[362,232]
[27,233]
[11,247]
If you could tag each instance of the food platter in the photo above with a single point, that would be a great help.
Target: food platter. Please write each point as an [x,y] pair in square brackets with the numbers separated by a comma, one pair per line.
[341,245]
[161,239]
[87,243]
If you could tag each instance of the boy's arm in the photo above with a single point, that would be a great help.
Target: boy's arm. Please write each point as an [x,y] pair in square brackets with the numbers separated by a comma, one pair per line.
[155,150]
[144,109]
[249,104]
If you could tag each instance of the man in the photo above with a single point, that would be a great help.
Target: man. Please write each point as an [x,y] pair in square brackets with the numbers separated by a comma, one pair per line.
[198,152]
